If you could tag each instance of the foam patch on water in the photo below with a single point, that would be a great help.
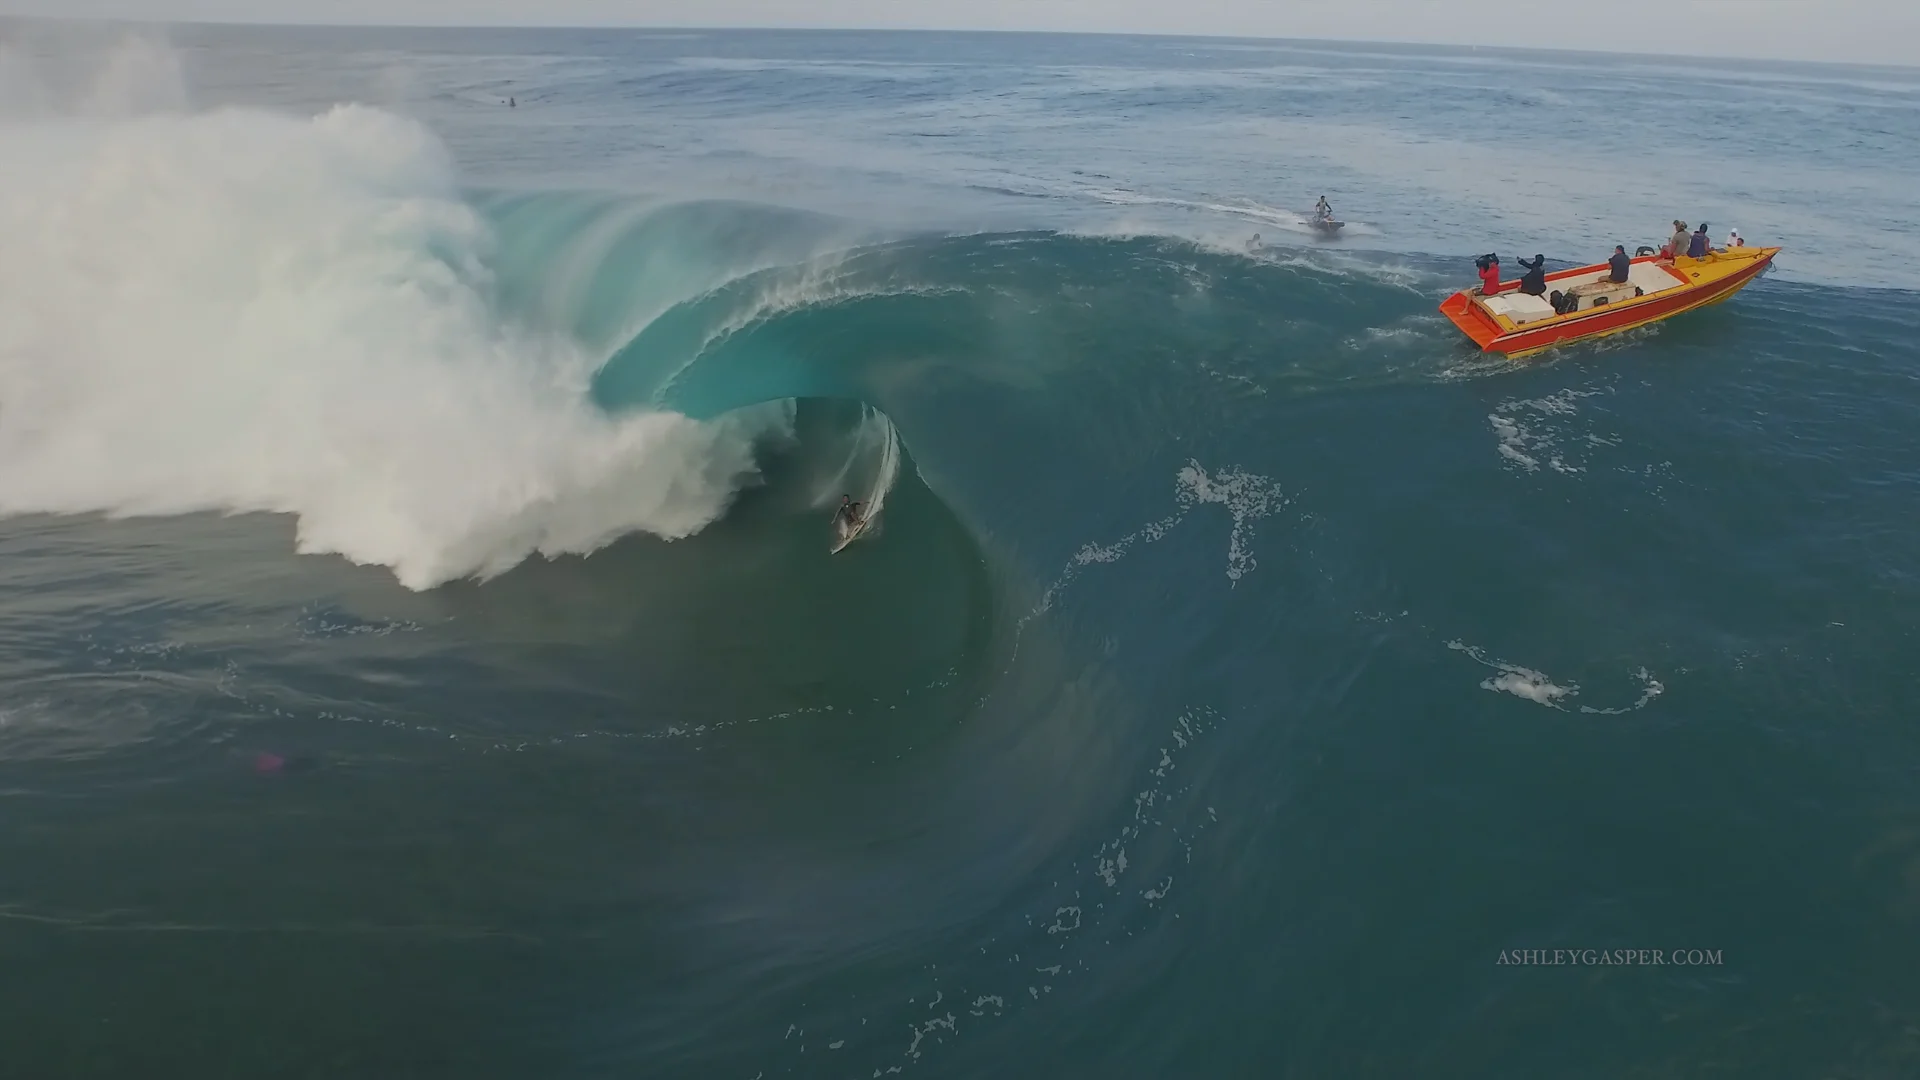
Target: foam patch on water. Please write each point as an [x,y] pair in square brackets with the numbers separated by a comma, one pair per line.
[1411,330]
[1650,688]
[241,311]
[1246,496]
[1529,436]
[1536,686]
[1521,682]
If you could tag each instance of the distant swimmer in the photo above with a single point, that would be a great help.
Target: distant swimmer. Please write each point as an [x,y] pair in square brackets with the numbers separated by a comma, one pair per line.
[512,104]
[1254,244]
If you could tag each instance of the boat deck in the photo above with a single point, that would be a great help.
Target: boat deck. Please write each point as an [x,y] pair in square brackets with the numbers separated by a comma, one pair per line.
[1519,308]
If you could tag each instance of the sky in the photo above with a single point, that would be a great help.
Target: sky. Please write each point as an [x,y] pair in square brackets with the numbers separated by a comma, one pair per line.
[1846,31]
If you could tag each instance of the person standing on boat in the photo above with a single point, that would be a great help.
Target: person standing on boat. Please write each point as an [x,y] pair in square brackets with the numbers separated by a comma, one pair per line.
[1698,247]
[1677,246]
[1620,264]
[1534,282]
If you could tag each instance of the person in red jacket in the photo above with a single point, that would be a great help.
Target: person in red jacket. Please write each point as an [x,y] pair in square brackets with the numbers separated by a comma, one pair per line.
[1489,274]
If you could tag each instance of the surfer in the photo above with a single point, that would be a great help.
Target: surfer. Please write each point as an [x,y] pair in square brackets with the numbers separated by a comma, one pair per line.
[849,515]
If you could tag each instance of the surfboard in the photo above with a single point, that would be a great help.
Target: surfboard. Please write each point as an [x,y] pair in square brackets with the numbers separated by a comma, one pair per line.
[848,536]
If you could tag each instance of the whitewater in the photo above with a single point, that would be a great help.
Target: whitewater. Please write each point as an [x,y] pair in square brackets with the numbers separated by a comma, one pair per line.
[242,310]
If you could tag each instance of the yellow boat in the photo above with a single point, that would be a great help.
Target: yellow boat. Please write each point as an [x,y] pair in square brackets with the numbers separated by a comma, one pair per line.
[1520,325]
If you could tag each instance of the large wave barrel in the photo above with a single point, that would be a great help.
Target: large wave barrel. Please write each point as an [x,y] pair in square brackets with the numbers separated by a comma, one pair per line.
[312,317]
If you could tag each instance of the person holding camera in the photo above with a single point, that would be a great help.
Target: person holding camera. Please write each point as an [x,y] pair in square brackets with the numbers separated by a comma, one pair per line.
[1489,267]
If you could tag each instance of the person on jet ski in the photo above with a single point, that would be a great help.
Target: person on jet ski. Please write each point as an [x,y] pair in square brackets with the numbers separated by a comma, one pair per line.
[1324,210]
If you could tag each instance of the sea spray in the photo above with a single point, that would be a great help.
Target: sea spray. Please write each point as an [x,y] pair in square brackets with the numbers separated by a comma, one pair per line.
[245,311]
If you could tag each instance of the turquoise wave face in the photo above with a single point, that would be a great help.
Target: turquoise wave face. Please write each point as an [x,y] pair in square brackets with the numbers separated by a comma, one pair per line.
[1033,313]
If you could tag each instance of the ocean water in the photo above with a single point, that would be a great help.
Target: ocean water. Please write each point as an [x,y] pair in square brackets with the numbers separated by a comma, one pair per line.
[420,654]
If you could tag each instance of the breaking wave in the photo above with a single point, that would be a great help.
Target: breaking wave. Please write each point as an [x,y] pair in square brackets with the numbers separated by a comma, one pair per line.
[243,311]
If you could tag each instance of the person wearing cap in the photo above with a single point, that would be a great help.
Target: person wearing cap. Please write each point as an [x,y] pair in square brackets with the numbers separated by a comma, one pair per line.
[1698,247]
[1678,245]
[1733,239]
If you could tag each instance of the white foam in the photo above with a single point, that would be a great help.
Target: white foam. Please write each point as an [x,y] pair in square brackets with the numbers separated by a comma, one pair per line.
[1527,683]
[1521,682]
[242,311]
[1527,444]
[1537,687]
[1650,688]
[1246,496]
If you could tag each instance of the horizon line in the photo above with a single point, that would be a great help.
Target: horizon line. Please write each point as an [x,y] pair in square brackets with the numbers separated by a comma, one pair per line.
[816,29]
